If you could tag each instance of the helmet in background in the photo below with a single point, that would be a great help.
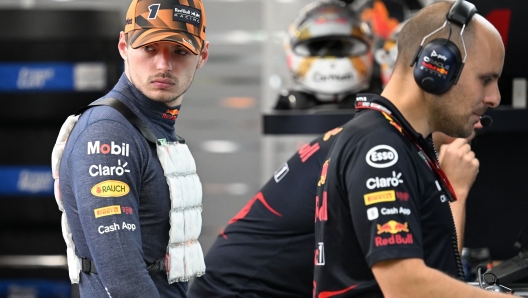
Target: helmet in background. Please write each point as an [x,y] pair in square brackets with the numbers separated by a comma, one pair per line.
[386,55]
[329,50]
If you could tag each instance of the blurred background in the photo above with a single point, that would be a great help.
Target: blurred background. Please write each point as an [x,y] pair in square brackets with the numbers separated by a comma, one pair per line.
[59,55]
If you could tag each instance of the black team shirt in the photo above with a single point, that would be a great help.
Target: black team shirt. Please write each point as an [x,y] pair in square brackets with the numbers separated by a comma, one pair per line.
[378,199]
[266,250]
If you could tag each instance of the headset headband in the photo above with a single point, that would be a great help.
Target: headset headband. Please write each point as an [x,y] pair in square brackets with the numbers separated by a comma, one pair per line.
[461,12]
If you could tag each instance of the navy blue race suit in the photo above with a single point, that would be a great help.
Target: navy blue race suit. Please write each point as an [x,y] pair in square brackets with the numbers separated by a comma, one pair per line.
[116,196]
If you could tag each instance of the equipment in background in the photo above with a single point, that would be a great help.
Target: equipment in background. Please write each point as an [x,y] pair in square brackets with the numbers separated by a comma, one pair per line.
[387,54]
[514,270]
[329,54]
[492,286]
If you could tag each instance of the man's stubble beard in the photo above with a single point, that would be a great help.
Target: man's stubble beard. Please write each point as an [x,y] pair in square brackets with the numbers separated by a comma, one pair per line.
[449,123]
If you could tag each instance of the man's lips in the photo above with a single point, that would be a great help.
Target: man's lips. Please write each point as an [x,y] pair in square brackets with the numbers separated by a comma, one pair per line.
[162,83]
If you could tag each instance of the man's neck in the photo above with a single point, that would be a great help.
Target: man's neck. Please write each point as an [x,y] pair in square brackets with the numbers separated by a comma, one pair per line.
[410,101]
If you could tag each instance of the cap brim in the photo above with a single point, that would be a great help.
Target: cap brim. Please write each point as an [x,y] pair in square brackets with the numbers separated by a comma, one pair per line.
[142,37]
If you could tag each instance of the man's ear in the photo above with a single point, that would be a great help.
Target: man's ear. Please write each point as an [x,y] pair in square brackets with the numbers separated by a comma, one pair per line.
[204,55]
[122,45]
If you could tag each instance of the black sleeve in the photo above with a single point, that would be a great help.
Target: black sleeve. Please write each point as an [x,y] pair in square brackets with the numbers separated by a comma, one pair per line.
[383,195]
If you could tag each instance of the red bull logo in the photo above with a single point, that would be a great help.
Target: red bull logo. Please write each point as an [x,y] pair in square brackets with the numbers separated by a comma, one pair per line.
[392,122]
[321,213]
[392,227]
[170,114]
[393,240]
[438,69]
[308,150]
[324,172]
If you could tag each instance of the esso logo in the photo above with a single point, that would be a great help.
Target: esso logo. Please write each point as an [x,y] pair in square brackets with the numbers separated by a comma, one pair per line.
[382,156]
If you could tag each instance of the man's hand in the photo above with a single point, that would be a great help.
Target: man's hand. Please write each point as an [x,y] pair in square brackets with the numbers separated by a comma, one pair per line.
[460,165]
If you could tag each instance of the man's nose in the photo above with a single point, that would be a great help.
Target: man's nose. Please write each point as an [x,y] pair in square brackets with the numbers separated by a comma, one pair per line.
[493,98]
[163,61]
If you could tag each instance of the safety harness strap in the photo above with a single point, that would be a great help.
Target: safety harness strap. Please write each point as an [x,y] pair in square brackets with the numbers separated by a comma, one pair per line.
[88,266]
[125,111]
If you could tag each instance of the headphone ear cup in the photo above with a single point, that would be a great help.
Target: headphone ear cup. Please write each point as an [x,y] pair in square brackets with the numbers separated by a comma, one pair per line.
[437,67]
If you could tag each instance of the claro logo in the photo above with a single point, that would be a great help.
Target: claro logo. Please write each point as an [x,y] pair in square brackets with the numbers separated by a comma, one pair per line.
[378,182]
[382,156]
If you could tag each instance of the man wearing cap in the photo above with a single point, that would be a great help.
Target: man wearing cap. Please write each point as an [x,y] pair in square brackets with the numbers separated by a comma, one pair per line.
[131,197]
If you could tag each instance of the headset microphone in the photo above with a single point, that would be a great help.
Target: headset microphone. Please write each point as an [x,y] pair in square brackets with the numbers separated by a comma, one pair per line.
[486,121]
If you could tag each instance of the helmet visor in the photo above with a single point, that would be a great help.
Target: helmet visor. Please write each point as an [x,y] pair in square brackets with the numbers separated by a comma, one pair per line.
[331,46]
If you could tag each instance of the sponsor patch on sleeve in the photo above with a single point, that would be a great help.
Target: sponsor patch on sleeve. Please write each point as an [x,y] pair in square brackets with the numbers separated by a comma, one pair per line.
[281,173]
[382,156]
[398,234]
[331,133]
[379,197]
[110,189]
[109,210]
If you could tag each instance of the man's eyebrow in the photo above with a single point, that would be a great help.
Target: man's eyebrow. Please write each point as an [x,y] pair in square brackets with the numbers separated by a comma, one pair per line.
[490,74]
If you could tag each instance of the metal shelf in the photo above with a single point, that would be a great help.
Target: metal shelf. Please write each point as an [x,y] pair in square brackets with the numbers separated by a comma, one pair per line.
[505,120]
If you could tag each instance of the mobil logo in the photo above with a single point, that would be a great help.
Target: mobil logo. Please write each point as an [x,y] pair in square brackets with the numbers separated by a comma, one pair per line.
[382,156]
[112,148]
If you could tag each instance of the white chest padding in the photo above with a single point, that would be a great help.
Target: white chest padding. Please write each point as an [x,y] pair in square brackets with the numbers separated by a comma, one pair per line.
[56,156]
[184,254]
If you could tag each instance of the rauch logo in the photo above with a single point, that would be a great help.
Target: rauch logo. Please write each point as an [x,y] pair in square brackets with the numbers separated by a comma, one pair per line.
[110,189]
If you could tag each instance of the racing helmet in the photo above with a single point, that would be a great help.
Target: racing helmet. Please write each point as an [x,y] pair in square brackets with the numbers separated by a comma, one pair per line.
[329,50]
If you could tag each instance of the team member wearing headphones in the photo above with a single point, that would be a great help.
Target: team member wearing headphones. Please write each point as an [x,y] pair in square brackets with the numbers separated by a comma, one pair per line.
[396,237]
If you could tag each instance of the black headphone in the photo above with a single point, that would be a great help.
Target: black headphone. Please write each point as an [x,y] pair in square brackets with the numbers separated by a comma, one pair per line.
[438,64]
